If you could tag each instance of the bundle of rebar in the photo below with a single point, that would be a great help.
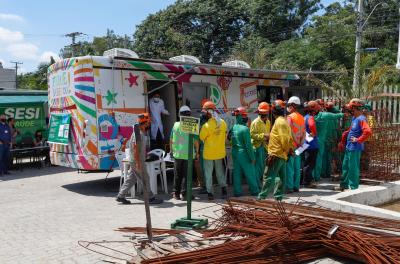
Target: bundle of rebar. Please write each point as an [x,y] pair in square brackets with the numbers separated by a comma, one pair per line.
[276,232]
[381,157]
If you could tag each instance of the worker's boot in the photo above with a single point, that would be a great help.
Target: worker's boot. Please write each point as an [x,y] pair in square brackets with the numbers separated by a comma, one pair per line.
[123,200]
[155,200]
[176,196]
[210,196]
[224,193]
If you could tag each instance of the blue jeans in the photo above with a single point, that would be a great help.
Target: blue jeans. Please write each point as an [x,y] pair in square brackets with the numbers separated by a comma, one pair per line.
[4,157]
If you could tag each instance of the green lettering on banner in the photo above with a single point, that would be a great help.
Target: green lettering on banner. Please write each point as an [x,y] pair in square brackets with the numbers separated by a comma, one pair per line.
[190,125]
[59,128]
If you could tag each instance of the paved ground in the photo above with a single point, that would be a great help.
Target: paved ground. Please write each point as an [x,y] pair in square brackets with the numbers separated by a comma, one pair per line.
[44,213]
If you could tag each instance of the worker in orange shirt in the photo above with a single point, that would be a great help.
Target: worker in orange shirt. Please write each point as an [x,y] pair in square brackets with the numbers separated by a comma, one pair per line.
[297,125]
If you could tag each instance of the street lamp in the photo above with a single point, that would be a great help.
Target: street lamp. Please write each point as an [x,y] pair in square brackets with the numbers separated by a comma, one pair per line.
[360,27]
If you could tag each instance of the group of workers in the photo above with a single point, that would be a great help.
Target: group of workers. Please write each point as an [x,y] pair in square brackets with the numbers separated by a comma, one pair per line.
[271,158]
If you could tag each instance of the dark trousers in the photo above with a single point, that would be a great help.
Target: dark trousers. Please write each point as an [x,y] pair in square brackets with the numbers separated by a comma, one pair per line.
[180,167]
[157,143]
[310,159]
[4,157]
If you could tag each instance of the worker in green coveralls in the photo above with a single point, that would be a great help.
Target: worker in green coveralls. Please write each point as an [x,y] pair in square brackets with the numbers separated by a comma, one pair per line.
[259,132]
[280,145]
[243,155]
[322,119]
[332,137]
[354,139]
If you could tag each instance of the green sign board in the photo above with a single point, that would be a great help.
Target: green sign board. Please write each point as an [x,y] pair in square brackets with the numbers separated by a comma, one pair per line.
[59,128]
[29,117]
[190,125]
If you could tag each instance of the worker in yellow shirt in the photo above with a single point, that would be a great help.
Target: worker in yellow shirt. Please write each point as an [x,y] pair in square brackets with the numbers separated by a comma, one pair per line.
[279,146]
[213,134]
[259,132]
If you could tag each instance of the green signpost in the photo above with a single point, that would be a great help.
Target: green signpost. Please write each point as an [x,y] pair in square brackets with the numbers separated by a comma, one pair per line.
[59,128]
[190,125]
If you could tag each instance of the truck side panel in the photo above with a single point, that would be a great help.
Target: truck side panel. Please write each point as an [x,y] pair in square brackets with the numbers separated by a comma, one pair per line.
[72,91]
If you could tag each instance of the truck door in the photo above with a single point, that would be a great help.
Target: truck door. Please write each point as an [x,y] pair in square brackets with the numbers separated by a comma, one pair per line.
[193,94]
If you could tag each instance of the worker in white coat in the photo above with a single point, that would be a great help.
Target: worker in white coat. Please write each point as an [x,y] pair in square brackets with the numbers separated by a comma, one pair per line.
[157,108]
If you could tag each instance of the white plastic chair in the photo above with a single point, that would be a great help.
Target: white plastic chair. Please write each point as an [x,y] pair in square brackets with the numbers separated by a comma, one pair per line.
[123,163]
[157,168]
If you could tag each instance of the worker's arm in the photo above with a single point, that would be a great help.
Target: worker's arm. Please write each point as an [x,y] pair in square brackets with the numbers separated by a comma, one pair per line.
[366,131]
[163,110]
[330,116]
[313,126]
[248,145]
[204,132]
[255,132]
[197,146]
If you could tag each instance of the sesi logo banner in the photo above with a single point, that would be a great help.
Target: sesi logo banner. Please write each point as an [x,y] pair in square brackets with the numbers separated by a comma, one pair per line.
[19,113]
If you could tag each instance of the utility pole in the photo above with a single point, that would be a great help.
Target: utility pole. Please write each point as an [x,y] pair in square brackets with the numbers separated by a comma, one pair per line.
[398,51]
[73,36]
[357,58]
[16,72]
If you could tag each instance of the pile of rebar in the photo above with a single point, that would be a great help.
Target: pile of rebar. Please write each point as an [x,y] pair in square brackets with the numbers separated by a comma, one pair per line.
[276,232]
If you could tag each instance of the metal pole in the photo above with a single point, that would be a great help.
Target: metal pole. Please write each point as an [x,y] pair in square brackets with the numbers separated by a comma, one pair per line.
[16,72]
[145,177]
[189,178]
[398,51]
[357,58]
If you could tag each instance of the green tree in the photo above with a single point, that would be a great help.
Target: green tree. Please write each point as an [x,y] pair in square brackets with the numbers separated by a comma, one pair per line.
[278,20]
[98,45]
[36,80]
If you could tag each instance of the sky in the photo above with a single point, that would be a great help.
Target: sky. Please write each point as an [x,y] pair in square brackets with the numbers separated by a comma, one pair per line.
[32,31]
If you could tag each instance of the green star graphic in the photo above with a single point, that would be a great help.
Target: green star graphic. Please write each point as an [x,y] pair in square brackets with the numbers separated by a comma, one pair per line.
[110,97]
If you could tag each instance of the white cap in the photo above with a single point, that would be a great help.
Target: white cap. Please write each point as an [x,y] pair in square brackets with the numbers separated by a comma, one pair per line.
[294,100]
[184,108]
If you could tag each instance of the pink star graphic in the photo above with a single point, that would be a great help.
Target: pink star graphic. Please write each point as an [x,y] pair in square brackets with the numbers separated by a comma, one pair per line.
[132,79]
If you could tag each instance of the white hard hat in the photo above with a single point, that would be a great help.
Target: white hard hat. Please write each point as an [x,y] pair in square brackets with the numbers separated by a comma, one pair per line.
[294,100]
[184,108]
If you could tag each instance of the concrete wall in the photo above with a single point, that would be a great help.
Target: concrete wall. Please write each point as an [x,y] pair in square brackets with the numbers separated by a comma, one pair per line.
[360,201]
[7,78]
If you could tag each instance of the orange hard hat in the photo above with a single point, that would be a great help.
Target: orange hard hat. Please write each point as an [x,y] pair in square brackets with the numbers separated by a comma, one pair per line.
[356,102]
[143,118]
[278,105]
[203,101]
[263,108]
[240,111]
[209,105]
[313,106]
[320,102]
[330,105]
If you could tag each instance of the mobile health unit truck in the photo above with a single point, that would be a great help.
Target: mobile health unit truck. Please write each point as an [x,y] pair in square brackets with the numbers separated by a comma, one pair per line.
[94,100]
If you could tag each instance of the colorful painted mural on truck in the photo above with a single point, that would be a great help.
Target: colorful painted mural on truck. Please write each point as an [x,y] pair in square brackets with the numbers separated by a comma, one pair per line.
[105,96]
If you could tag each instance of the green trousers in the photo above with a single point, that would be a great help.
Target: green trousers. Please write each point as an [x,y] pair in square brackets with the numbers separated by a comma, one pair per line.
[351,170]
[318,164]
[209,166]
[326,168]
[242,165]
[293,172]
[274,179]
[261,155]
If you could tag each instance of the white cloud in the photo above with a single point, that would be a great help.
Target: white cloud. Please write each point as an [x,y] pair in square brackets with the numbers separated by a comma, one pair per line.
[11,17]
[8,36]
[45,56]
[23,51]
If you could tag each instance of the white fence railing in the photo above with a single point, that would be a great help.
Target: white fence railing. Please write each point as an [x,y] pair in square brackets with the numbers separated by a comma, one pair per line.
[388,99]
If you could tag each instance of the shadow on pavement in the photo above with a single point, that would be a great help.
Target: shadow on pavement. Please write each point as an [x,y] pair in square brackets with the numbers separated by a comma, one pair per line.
[34,172]
[107,187]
